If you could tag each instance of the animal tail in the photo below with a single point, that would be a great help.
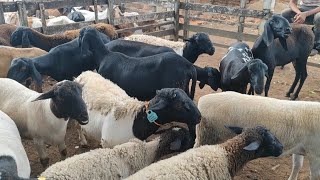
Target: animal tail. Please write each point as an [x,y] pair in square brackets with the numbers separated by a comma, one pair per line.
[194,82]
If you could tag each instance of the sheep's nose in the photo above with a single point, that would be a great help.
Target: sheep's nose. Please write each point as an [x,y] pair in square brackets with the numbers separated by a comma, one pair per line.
[289,30]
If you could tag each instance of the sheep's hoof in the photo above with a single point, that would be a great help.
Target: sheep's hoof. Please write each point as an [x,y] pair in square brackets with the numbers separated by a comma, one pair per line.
[288,95]
[64,153]
[44,162]
[293,98]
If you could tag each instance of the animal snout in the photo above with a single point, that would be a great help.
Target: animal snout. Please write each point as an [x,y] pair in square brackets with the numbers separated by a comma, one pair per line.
[211,51]
[288,30]
[83,118]
[278,150]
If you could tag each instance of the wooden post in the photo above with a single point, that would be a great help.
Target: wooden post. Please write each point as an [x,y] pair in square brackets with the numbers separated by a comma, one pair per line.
[186,20]
[267,10]
[43,17]
[176,19]
[241,20]
[22,13]
[95,5]
[2,20]
[110,12]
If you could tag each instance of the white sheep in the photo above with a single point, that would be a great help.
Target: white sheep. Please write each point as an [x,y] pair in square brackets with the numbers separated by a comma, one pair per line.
[8,54]
[121,161]
[35,22]
[115,117]
[221,161]
[13,158]
[198,44]
[90,16]
[296,124]
[43,117]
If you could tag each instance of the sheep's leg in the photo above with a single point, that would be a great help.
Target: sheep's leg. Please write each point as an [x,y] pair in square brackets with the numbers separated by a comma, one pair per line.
[268,82]
[314,168]
[251,92]
[82,138]
[296,79]
[63,150]
[40,147]
[304,75]
[297,162]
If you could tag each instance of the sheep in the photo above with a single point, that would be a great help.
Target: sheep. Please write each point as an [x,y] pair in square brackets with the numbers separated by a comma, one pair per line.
[89,15]
[35,22]
[43,121]
[76,16]
[63,62]
[221,161]
[8,54]
[13,158]
[206,75]
[238,68]
[5,34]
[294,123]
[198,44]
[115,117]
[297,43]
[121,161]
[157,71]
[26,36]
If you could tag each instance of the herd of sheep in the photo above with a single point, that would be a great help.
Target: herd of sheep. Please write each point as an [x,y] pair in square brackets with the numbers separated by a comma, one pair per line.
[120,91]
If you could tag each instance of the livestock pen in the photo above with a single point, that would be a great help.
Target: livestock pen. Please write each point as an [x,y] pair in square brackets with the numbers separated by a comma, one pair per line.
[183,18]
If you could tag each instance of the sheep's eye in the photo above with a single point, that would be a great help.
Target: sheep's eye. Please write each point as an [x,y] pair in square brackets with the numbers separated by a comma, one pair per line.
[174,95]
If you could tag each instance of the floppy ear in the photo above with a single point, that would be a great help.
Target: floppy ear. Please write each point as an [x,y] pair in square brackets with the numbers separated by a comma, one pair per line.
[252,146]
[175,145]
[84,45]
[239,73]
[25,42]
[47,95]
[267,35]
[235,129]
[36,76]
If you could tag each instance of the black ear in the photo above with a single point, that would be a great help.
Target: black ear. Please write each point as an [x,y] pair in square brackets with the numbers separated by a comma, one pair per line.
[186,39]
[239,73]
[47,95]
[175,145]
[235,129]
[283,43]
[201,84]
[84,45]
[25,42]
[252,146]
[36,76]
[158,106]
[267,35]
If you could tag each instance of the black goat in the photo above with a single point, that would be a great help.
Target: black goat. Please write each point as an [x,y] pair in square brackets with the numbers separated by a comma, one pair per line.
[206,75]
[281,44]
[238,68]
[139,77]
[61,63]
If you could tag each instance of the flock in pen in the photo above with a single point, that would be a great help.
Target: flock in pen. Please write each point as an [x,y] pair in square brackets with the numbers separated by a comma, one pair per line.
[120,91]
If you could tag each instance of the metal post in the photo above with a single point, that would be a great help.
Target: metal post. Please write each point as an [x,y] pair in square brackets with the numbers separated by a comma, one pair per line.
[176,19]
[186,20]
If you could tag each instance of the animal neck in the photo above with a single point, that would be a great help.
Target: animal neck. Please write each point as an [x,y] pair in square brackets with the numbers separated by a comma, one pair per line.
[56,112]
[191,53]
[99,50]
[8,168]
[259,44]
[142,128]
[236,155]
[202,76]
[40,40]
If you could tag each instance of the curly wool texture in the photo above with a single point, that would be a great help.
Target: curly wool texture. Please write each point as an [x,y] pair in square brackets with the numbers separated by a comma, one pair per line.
[5,34]
[117,163]
[8,54]
[292,122]
[176,46]
[103,95]
[107,29]
[206,162]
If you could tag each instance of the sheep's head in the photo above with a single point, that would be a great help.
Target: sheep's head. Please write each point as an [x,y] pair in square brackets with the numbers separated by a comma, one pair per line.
[67,101]
[259,140]
[173,104]
[20,37]
[214,78]
[202,42]
[76,16]
[22,69]
[277,27]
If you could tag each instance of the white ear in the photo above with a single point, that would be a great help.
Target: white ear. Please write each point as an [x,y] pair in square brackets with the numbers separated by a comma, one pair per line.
[252,146]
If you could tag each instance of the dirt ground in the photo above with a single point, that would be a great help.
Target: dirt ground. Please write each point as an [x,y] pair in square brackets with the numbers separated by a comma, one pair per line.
[265,168]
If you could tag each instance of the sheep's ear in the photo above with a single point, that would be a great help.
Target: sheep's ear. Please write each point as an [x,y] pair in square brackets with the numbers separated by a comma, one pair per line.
[267,35]
[84,46]
[47,95]
[283,43]
[252,146]
[25,42]
[36,76]
[175,145]
[239,73]
[235,129]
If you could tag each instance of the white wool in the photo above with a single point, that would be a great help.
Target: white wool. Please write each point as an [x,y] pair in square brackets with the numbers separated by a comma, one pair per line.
[34,120]
[89,16]
[176,46]
[294,123]
[11,145]
[36,22]
[111,110]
